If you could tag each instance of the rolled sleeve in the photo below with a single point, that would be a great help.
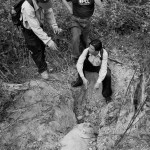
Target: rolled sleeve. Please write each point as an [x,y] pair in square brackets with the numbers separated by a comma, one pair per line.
[33,22]
[103,70]
[81,61]
[49,15]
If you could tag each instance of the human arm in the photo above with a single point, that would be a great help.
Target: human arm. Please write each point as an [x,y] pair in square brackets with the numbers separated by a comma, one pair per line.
[49,15]
[65,2]
[80,62]
[103,70]
[99,3]
[79,66]
[31,22]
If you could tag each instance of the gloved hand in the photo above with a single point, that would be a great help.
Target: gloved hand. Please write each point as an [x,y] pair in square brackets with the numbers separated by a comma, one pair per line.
[51,44]
[56,29]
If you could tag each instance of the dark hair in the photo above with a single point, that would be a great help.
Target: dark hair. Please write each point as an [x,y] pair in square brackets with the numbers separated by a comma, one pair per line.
[97,44]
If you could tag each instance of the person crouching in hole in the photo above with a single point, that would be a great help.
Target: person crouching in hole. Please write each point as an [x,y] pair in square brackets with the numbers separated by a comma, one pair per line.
[94,59]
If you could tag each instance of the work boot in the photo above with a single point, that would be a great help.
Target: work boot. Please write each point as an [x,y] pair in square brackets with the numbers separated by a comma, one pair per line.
[45,75]
[108,99]
[77,83]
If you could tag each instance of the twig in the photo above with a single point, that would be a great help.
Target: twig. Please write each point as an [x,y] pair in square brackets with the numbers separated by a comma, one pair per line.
[131,122]
[116,61]
[130,82]
[3,75]
[13,87]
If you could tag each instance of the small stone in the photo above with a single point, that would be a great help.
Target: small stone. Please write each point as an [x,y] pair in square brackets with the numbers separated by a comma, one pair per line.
[86,113]
[94,148]
[79,117]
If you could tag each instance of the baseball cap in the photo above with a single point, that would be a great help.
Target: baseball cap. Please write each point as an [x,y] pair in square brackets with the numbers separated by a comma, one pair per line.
[45,4]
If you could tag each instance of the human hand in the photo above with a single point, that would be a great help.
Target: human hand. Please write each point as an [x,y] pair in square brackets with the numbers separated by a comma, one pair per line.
[85,82]
[56,29]
[96,86]
[52,45]
[70,10]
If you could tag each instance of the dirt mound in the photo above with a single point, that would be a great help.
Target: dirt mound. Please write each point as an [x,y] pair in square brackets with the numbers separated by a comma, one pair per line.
[39,118]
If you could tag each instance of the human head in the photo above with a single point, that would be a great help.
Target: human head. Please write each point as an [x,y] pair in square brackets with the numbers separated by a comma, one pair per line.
[45,4]
[95,46]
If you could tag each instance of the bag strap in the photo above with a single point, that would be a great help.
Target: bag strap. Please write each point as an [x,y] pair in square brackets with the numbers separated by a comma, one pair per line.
[30,2]
[101,52]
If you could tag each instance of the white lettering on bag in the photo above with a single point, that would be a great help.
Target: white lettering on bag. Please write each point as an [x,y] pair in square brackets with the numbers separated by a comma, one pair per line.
[84,2]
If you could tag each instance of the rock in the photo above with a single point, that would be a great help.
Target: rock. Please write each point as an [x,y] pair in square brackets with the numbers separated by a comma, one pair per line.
[122,110]
[40,117]
[109,132]
[79,117]
[78,138]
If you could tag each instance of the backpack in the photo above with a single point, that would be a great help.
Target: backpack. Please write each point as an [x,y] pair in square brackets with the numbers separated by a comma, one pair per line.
[16,12]
[101,52]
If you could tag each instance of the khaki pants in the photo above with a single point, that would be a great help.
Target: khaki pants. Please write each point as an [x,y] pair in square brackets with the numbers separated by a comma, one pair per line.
[80,29]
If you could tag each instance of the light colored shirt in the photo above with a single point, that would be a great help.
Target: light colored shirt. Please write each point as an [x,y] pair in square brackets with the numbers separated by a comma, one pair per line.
[33,18]
[95,60]
[103,63]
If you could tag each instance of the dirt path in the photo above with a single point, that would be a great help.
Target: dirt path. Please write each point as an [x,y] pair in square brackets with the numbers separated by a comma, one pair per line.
[43,112]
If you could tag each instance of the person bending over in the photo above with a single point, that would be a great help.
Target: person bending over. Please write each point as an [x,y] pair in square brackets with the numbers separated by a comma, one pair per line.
[94,59]
[33,13]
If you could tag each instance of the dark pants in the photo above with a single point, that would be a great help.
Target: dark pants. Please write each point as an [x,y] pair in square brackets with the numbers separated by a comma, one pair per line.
[80,29]
[106,83]
[37,48]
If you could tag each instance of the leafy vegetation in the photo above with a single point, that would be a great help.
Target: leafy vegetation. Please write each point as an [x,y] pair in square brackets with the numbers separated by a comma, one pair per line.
[124,17]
